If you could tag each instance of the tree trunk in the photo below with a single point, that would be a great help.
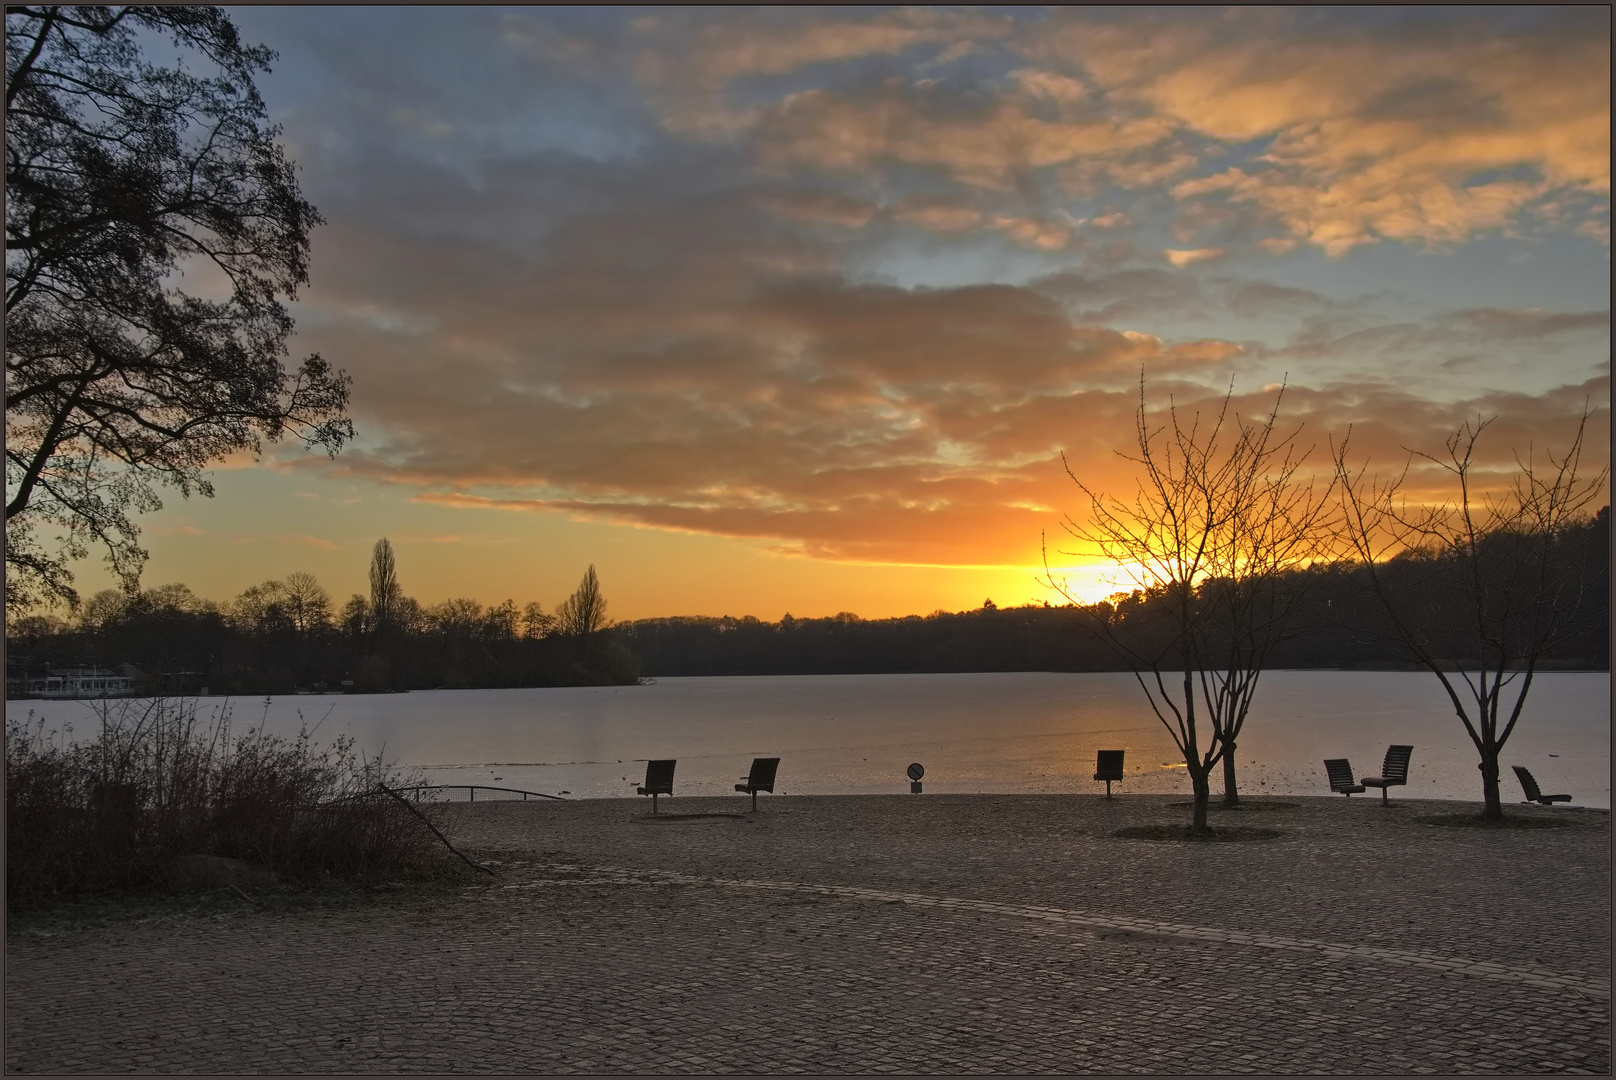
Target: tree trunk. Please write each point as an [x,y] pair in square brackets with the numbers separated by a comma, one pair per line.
[1203,795]
[1493,806]
[1231,791]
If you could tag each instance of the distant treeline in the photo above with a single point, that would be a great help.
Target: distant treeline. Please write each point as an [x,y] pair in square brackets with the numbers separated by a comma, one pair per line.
[1339,625]
[280,637]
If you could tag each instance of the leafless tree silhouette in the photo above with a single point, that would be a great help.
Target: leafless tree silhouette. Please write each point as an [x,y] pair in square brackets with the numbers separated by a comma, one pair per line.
[1222,512]
[1480,587]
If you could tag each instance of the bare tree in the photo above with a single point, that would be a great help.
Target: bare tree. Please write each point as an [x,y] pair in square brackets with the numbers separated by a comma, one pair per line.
[1480,587]
[536,623]
[584,612]
[1220,516]
[307,602]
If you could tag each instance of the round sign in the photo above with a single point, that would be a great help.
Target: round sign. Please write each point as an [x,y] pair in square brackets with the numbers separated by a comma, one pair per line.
[916,771]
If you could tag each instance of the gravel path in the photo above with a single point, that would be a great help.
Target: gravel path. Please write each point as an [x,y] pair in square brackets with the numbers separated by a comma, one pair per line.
[930,934]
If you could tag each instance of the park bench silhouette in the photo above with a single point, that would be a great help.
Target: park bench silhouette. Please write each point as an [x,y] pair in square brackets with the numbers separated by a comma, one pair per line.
[658,780]
[1393,771]
[1533,793]
[1340,770]
[760,779]
[1108,767]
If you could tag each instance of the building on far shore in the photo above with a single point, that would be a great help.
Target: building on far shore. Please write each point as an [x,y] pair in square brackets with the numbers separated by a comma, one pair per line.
[75,682]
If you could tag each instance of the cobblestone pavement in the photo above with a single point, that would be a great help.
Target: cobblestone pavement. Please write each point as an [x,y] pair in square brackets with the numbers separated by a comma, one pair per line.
[952,934]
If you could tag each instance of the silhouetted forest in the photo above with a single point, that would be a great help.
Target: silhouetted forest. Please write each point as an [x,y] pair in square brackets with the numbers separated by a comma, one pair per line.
[282,636]
[1340,625]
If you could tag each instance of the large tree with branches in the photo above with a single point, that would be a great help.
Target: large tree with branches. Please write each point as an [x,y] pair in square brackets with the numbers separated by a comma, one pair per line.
[123,179]
[1220,519]
[1481,586]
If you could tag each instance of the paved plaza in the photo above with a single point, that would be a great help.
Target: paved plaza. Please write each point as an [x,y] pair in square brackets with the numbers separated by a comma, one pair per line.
[910,934]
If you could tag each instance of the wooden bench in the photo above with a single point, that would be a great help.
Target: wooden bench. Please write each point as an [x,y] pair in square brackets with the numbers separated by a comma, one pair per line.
[1393,771]
[760,779]
[1340,770]
[1533,793]
[658,780]
[1108,767]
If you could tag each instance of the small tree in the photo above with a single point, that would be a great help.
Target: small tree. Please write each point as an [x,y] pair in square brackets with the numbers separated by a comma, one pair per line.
[1480,587]
[1208,538]
[584,612]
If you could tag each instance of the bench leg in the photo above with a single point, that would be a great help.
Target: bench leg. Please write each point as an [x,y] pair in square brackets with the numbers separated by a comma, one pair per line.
[653,802]
[1384,801]
[1108,789]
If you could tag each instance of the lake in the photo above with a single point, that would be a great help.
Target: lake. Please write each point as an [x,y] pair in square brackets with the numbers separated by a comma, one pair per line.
[1007,732]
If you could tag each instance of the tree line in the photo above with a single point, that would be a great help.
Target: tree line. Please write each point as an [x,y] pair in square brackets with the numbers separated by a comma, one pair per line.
[1339,625]
[287,635]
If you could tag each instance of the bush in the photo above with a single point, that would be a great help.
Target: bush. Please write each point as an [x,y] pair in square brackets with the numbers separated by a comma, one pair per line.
[156,786]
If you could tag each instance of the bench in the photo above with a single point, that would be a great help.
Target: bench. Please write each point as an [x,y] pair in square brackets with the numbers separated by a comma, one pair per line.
[1340,770]
[658,780]
[760,779]
[1533,793]
[1108,767]
[1393,771]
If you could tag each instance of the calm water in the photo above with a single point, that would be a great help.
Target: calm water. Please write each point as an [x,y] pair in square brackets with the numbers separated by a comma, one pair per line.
[1005,733]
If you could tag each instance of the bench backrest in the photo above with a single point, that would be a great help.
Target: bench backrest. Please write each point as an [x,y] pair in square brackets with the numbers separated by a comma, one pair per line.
[1108,765]
[763,770]
[1340,770]
[659,776]
[1528,784]
[1395,767]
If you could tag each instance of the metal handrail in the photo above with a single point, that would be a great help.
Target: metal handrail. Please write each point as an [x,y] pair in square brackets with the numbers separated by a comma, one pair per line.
[485,787]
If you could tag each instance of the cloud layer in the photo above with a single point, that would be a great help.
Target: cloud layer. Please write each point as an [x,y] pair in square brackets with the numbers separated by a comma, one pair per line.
[851,283]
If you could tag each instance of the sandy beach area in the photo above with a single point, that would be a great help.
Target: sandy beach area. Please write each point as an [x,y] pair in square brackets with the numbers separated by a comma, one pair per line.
[931,934]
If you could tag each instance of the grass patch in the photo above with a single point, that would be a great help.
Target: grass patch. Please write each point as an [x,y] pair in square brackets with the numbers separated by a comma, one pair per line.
[1213,835]
[1508,821]
[159,801]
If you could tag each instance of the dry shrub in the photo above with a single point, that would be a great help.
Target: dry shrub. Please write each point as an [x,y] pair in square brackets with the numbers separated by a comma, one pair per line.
[157,784]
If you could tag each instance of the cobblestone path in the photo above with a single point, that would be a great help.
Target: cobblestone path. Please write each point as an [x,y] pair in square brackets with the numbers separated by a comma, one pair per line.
[610,943]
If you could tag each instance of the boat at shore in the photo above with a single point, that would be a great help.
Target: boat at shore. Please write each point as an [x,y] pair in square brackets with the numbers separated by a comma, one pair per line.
[73,684]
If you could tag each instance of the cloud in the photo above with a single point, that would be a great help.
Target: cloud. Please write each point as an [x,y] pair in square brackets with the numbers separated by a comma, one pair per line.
[938,213]
[982,143]
[1182,259]
[1534,324]
[690,59]
[1406,136]
[681,377]
[820,208]
[307,541]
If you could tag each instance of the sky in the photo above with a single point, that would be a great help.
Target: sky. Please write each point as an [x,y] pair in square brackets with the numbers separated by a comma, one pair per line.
[798,309]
